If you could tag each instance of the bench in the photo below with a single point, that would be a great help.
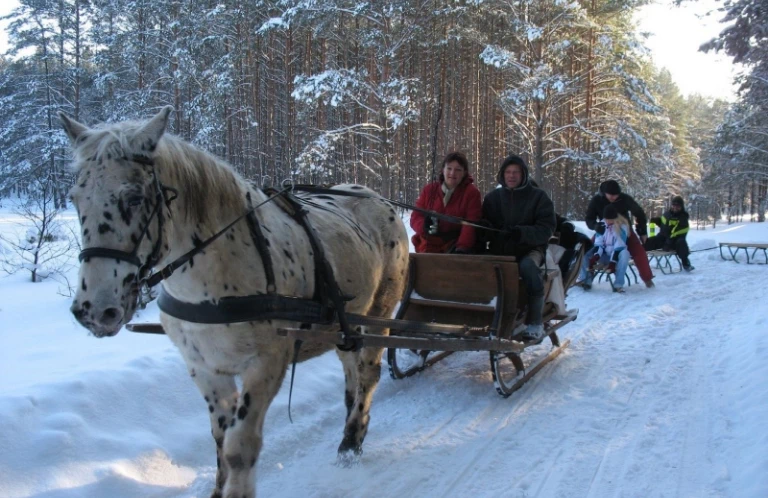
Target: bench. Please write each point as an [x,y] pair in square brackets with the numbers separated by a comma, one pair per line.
[601,272]
[735,247]
[663,261]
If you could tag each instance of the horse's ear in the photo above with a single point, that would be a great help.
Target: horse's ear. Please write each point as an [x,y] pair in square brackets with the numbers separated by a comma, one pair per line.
[73,129]
[149,135]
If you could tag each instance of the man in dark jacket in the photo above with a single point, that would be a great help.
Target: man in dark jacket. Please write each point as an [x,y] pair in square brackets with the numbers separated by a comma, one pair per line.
[527,216]
[674,228]
[610,193]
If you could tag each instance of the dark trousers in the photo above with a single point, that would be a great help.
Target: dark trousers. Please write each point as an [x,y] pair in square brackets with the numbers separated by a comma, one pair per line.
[534,284]
[678,244]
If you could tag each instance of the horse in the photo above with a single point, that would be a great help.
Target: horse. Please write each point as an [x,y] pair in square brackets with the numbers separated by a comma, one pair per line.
[145,197]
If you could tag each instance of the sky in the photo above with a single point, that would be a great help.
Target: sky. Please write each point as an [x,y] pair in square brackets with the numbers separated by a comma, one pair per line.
[677,33]
[675,36]
[661,393]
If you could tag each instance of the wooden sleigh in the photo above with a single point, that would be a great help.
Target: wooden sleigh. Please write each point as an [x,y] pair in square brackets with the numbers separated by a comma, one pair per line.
[453,303]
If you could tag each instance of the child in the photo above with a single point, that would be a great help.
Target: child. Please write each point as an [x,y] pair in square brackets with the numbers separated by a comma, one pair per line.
[610,250]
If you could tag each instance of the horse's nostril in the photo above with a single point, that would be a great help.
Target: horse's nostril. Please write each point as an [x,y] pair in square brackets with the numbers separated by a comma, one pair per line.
[111,316]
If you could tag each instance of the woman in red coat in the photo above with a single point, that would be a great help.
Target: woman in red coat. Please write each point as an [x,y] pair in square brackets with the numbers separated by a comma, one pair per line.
[455,195]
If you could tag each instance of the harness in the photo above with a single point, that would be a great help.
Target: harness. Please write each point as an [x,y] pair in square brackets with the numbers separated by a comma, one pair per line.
[326,306]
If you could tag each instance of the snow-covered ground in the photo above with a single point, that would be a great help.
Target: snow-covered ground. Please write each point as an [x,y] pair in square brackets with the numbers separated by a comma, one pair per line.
[662,393]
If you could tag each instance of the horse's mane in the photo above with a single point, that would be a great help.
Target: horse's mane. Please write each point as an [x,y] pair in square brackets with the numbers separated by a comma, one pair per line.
[206,184]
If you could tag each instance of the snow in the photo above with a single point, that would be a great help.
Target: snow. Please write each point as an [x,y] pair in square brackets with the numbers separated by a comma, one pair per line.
[661,393]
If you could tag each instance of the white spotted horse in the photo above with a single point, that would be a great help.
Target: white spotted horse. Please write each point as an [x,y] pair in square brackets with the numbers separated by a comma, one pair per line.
[145,198]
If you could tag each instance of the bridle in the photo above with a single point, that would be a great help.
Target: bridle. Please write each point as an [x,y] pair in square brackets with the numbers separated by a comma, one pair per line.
[162,198]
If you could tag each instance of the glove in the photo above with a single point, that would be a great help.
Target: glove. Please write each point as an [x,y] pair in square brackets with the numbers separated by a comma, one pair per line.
[514,235]
[611,267]
[593,260]
[600,228]
[430,225]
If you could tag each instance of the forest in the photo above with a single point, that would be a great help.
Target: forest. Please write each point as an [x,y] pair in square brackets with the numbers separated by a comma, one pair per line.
[377,92]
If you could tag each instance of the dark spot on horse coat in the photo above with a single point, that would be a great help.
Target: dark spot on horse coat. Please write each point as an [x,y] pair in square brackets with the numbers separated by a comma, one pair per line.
[392,244]
[104,228]
[125,213]
[247,399]
[210,408]
[242,412]
[129,278]
[288,254]
[196,240]
[222,422]
[235,462]
[85,287]
[391,218]
[108,215]
[83,219]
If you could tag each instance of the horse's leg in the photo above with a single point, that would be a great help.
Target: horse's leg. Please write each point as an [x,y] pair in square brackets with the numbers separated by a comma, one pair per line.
[362,372]
[243,440]
[220,392]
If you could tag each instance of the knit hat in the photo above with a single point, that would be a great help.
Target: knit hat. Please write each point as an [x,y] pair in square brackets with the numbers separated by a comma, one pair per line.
[610,213]
[678,201]
[610,187]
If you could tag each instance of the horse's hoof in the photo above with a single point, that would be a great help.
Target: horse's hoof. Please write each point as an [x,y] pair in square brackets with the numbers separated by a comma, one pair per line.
[347,459]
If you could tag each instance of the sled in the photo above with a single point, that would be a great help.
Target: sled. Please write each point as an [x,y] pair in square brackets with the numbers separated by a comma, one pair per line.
[460,303]
[735,247]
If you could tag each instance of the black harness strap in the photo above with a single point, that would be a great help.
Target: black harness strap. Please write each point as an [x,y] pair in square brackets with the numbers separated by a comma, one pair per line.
[328,285]
[236,309]
[168,270]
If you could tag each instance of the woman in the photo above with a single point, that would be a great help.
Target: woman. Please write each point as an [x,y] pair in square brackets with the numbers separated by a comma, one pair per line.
[455,195]
[610,250]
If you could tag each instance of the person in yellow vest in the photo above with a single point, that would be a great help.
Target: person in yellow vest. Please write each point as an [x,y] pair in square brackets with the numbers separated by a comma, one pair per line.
[673,227]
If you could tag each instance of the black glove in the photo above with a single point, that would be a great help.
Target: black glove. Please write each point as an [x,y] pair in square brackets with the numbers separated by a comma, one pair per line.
[600,227]
[514,235]
[430,225]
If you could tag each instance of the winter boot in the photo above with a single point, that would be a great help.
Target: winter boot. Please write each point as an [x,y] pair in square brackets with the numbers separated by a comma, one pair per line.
[533,332]
[687,266]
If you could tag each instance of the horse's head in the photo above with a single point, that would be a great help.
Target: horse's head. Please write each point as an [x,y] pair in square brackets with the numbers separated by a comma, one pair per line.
[120,203]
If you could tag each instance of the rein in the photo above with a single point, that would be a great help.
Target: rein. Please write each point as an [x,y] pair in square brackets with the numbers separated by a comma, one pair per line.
[312,189]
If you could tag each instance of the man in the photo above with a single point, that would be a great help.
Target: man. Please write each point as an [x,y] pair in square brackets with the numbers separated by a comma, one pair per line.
[527,216]
[674,228]
[610,193]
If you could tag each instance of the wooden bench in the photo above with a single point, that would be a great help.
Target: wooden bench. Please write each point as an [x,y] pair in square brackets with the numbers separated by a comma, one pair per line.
[663,261]
[601,272]
[735,247]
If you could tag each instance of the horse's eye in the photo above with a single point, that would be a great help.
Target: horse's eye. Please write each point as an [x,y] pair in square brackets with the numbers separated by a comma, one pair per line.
[135,200]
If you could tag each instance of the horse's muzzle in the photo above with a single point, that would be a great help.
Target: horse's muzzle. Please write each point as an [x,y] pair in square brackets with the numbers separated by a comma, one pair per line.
[104,322]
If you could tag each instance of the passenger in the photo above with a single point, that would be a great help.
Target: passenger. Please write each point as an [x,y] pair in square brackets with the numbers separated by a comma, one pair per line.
[610,193]
[454,194]
[610,250]
[527,216]
[674,228]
